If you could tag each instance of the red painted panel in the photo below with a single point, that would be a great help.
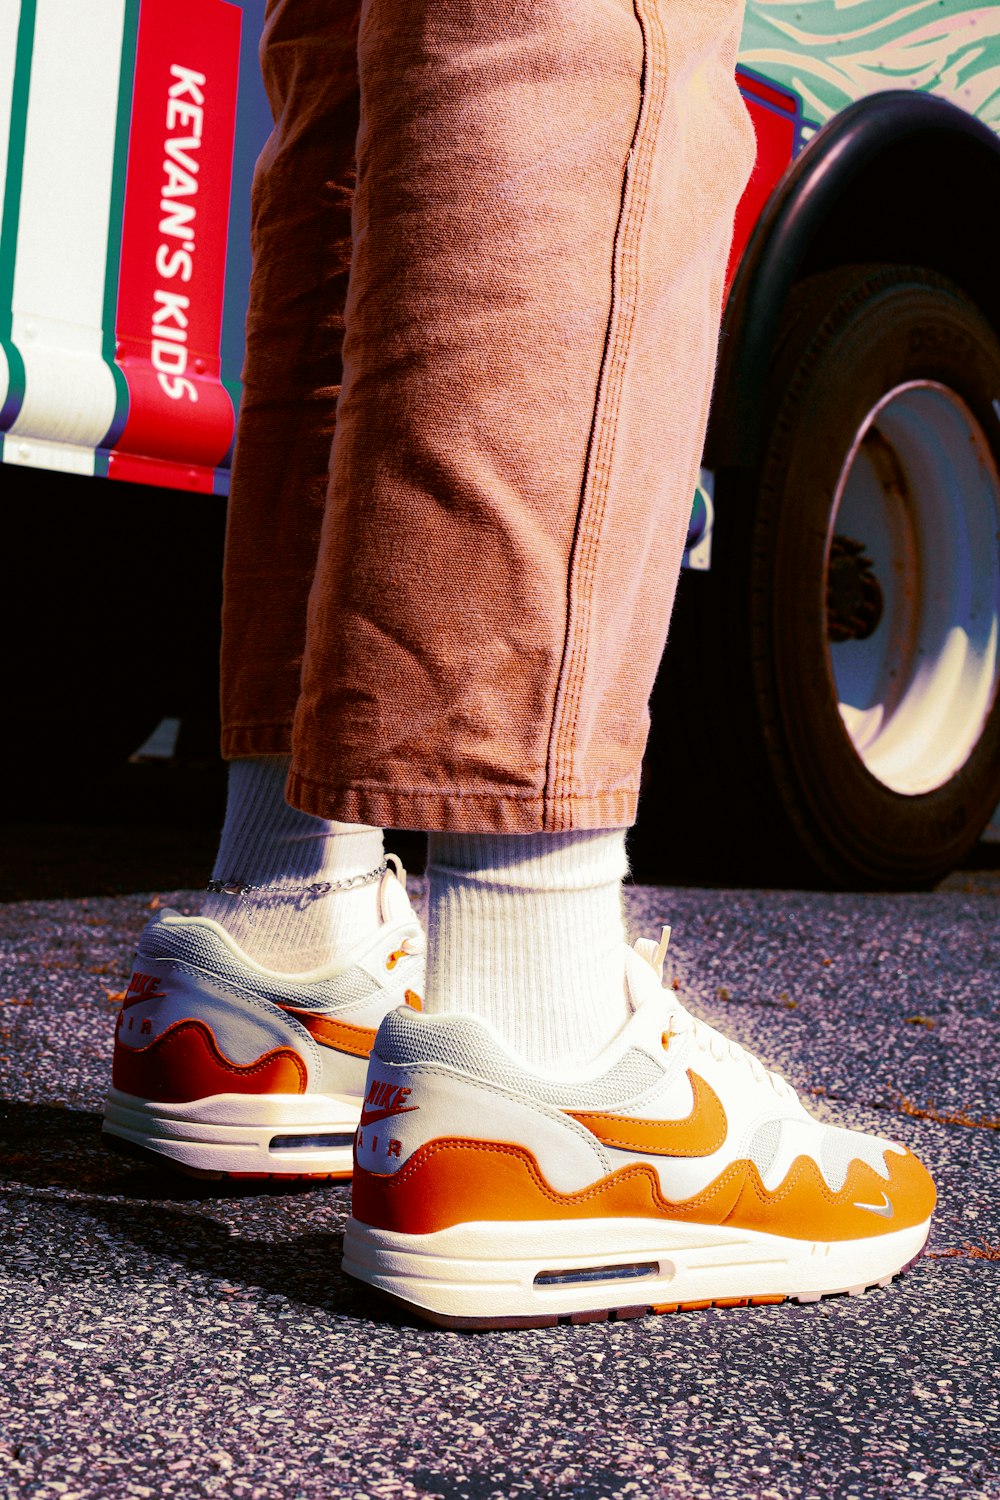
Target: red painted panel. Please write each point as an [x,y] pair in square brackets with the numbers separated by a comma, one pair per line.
[775,149]
[768,92]
[174,243]
[137,469]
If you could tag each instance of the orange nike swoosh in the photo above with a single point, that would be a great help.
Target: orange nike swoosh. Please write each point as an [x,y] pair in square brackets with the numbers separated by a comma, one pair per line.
[700,1134]
[341,1035]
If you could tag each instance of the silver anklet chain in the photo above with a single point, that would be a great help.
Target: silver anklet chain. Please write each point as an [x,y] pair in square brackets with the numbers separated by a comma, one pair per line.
[277,890]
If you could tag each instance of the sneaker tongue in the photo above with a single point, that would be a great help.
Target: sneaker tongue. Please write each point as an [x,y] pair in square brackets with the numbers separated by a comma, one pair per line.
[393,902]
[645,985]
[654,953]
[646,948]
[644,975]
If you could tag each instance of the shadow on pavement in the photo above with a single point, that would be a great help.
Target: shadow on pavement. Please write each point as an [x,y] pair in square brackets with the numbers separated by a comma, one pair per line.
[50,1145]
[154,1236]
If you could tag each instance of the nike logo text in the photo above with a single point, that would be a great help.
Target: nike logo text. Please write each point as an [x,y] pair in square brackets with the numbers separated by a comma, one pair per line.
[384,1100]
[142,987]
[885,1208]
[701,1133]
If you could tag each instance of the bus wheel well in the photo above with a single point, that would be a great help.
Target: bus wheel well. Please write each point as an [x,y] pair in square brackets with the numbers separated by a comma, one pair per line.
[897,179]
[924,203]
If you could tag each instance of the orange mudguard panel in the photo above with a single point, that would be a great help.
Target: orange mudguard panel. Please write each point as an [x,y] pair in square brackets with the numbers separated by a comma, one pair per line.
[185,1063]
[453,1181]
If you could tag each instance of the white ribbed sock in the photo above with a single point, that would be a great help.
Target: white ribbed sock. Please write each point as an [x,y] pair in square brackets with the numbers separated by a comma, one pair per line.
[265,842]
[526,931]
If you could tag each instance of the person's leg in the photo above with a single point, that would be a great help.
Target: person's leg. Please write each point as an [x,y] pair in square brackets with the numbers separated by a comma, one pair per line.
[244,1037]
[542,219]
[301,241]
[543,215]
[544,204]
[292,891]
[301,244]
[526,931]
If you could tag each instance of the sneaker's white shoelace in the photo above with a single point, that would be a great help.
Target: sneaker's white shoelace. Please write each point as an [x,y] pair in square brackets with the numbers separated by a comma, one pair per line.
[721,1047]
[704,1036]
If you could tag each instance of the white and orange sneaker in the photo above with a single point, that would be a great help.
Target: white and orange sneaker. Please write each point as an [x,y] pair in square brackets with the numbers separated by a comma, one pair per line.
[224,1068]
[676,1173]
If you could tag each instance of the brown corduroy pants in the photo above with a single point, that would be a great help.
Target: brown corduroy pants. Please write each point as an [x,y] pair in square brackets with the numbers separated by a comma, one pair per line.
[489,244]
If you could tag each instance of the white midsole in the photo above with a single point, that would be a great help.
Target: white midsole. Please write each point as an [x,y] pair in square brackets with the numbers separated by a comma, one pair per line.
[236,1132]
[488,1270]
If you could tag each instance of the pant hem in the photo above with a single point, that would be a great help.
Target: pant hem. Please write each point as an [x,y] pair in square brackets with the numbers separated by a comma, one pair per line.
[457,811]
[242,740]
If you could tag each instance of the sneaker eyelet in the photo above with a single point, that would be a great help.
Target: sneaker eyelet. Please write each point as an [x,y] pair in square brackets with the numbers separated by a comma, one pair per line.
[393,958]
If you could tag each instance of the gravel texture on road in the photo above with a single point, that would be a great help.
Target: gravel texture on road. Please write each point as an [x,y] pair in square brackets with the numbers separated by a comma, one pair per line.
[165,1338]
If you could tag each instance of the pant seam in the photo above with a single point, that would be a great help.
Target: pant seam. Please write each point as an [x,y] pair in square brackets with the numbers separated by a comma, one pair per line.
[559,794]
[642,151]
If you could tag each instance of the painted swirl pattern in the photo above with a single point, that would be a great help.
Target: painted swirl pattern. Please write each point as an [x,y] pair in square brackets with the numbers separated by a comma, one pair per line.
[830,52]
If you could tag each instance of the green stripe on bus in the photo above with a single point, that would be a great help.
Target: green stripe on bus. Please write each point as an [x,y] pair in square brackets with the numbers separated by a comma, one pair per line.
[12,208]
[116,214]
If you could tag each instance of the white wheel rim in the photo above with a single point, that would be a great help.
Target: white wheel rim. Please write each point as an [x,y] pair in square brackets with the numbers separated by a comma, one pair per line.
[920,492]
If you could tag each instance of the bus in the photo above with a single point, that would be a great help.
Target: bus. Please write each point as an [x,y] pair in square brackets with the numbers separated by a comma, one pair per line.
[828,703]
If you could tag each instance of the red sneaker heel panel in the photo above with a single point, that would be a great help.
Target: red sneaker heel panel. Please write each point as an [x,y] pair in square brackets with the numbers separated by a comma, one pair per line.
[186,1063]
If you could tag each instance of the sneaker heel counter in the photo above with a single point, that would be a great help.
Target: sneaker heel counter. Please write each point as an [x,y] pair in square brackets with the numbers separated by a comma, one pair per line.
[141,1015]
[176,1041]
[390,1128]
[141,1020]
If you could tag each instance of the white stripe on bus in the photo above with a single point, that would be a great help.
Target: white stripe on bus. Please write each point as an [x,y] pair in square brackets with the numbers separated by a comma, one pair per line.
[62,240]
[60,458]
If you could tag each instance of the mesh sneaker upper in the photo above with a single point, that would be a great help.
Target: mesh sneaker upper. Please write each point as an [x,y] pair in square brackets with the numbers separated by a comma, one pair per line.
[840,1147]
[467,1047]
[764,1143]
[198,949]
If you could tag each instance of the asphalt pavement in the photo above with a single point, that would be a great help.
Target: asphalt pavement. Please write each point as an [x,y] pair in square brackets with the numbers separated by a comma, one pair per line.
[169,1339]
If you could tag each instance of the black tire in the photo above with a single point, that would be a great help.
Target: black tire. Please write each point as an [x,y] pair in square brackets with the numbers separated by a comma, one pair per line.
[746,707]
